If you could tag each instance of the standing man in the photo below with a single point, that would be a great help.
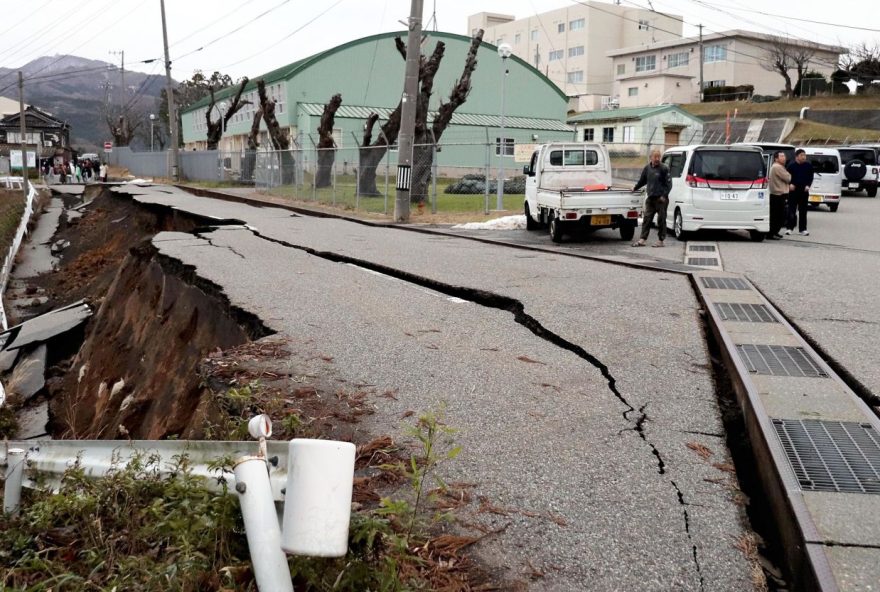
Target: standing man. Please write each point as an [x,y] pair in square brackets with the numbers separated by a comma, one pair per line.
[801,180]
[656,176]
[780,187]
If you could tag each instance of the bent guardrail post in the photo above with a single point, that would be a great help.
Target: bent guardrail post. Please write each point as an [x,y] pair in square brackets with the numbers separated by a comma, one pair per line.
[12,487]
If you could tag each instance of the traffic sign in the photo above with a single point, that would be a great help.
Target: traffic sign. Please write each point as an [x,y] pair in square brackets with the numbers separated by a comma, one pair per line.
[108,146]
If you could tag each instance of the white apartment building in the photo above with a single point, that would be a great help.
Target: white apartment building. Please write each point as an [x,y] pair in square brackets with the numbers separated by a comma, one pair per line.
[570,45]
[669,71]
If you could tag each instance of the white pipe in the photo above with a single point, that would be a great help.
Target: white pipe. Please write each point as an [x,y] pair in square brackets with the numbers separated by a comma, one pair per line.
[317,502]
[12,488]
[261,525]
[804,112]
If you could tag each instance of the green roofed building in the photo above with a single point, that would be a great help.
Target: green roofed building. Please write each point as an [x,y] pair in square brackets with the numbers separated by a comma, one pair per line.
[369,74]
[635,129]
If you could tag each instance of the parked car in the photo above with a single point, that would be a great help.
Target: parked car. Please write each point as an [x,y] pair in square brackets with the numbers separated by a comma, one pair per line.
[861,168]
[828,176]
[718,187]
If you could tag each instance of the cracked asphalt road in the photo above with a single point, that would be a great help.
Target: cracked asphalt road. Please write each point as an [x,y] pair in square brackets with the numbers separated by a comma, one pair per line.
[576,385]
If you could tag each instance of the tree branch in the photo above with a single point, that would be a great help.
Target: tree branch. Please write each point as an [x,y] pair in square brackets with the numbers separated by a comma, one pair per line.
[460,91]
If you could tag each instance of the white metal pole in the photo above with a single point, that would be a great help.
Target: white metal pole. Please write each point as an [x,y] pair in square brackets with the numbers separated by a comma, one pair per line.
[504,50]
[12,488]
[261,525]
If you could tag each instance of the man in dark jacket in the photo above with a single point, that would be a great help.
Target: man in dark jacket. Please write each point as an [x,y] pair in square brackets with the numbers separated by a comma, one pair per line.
[801,179]
[656,176]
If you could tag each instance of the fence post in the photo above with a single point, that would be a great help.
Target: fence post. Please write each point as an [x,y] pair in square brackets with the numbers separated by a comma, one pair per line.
[333,173]
[487,165]
[314,169]
[357,176]
[387,164]
[434,176]
[12,488]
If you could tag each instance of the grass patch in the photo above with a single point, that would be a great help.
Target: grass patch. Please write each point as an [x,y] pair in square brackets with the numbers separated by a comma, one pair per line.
[806,131]
[11,210]
[786,106]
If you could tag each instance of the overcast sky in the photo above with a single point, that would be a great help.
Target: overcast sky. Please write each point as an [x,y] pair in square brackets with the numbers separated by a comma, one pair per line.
[293,29]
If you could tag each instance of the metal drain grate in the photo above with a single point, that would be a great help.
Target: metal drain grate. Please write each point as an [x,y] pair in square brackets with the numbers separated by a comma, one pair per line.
[725,283]
[778,360]
[703,261]
[838,456]
[749,313]
[705,248]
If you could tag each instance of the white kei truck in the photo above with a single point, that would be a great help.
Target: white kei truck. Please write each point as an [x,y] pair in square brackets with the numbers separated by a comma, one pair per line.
[568,188]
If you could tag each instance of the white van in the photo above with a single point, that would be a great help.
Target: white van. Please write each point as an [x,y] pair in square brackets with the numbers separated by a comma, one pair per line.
[827,176]
[718,187]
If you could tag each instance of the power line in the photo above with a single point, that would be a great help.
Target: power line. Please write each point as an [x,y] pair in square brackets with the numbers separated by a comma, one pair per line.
[288,36]
[212,23]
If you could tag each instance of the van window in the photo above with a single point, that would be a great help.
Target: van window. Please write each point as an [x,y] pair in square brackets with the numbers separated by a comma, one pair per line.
[727,165]
[675,162]
[824,163]
[533,162]
[573,157]
[866,155]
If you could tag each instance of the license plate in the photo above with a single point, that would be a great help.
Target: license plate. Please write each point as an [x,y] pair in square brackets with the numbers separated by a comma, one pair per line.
[815,199]
[600,220]
[730,195]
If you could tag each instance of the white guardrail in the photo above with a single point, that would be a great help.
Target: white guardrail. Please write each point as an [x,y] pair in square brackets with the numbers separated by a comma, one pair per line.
[47,460]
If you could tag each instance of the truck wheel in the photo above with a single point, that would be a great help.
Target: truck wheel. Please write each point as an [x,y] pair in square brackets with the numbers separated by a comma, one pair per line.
[872,191]
[833,207]
[757,236]
[531,223]
[627,231]
[555,228]
[678,227]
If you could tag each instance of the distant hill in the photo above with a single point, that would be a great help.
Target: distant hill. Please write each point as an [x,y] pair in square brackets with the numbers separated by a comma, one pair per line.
[77,89]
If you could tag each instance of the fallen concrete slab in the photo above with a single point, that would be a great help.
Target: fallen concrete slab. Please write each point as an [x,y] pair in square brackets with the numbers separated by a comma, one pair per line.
[29,376]
[44,327]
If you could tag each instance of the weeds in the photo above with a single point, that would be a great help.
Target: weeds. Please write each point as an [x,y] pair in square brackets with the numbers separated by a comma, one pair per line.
[8,422]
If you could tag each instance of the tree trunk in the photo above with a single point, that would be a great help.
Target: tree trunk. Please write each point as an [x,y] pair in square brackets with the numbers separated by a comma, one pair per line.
[250,155]
[425,138]
[370,155]
[280,138]
[326,145]
[216,128]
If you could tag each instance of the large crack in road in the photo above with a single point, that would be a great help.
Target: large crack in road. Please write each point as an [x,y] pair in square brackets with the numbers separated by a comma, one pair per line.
[517,309]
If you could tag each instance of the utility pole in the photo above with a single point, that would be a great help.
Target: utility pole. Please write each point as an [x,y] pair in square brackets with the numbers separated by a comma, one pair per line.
[172,111]
[408,113]
[122,70]
[21,116]
[701,62]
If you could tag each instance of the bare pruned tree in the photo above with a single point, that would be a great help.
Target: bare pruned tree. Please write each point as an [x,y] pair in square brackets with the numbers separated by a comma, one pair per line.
[801,57]
[372,151]
[326,145]
[216,128]
[777,58]
[122,129]
[279,137]
[253,140]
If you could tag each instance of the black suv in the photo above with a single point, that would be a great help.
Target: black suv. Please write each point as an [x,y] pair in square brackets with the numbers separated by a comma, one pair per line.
[860,169]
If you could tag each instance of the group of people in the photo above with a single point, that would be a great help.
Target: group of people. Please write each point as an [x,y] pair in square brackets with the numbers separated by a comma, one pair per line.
[86,171]
[789,194]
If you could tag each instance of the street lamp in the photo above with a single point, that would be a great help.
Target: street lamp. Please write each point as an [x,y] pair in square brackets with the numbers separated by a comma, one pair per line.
[504,50]
[152,119]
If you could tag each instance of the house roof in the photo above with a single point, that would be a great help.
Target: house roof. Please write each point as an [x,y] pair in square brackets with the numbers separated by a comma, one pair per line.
[286,72]
[358,112]
[33,117]
[629,113]
[724,35]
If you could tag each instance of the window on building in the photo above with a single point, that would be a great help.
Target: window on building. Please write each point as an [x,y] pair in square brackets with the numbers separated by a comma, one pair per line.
[555,55]
[589,134]
[508,146]
[644,25]
[607,134]
[15,138]
[621,69]
[577,50]
[646,63]
[575,76]
[560,28]
[714,83]
[714,53]
[629,134]
[677,60]
[576,24]
[517,38]
[632,91]
[534,35]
